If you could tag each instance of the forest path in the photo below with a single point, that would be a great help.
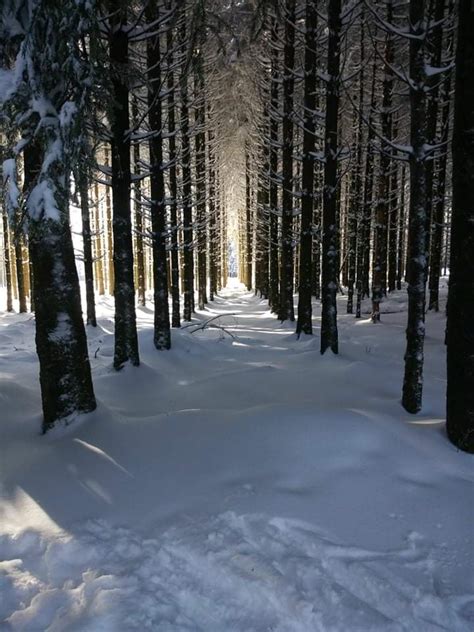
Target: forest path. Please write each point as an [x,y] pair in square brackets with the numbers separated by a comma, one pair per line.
[235,484]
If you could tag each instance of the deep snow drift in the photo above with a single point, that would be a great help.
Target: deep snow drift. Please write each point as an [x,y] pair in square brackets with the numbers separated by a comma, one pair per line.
[236,484]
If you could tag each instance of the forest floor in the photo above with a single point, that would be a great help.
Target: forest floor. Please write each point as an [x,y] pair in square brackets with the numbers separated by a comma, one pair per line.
[238,483]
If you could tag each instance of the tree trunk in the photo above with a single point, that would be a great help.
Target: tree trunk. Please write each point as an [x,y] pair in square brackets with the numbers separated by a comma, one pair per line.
[273,296]
[329,334]
[188,259]
[460,339]
[138,213]
[83,186]
[61,344]
[413,379]
[286,311]
[126,340]
[7,263]
[200,144]
[161,334]
[379,272]
[109,229]
[173,182]
[304,323]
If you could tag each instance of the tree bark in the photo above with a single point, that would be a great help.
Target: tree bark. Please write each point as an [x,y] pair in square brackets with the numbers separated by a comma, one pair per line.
[413,378]
[188,258]
[286,311]
[304,323]
[161,333]
[329,333]
[460,337]
[173,181]
[126,340]
[273,296]
[83,186]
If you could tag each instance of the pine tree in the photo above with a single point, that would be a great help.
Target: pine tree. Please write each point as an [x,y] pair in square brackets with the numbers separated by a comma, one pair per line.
[54,68]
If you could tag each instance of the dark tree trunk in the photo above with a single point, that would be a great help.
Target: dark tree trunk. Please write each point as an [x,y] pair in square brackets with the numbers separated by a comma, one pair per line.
[439,206]
[393,226]
[126,340]
[139,224]
[109,228]
[61,344]
[438,200]
[248,224]
[161,333]
[286,311]
[460,337]
[368,191]
[401,231]
[379,272]
[413,379]
[273,295]
[435,41]
[20,272]
[7,262]
[359,185]
[83,186]
[200,144]
[316,241]
[329,334]
[213,211]
[188,258]
[173,181]
[352,219]
[304,323]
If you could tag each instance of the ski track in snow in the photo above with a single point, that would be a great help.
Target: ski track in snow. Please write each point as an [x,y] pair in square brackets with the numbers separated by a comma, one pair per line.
[232,572]
[235,485]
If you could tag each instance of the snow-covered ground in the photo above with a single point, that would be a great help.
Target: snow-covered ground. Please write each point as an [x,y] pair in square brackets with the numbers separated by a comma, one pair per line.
[236,484]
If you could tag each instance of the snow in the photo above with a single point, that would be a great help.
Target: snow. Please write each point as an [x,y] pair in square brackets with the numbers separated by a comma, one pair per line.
[42,201]
[245,484]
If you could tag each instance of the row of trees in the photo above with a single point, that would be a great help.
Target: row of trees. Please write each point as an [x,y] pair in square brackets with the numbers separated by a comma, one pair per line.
[326,125]
[352,151]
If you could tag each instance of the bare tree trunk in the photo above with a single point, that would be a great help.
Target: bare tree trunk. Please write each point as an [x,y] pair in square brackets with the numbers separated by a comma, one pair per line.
[173,182]
[83,185]
[6,255]
[413,379]
[126,340]
[138,213]
[188,259]
[109,229]
[460,339]
[200,145]
[379,283]
[274,114]
[161,334]
[304,323]
[286,311]
[329,333]
[61,344]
